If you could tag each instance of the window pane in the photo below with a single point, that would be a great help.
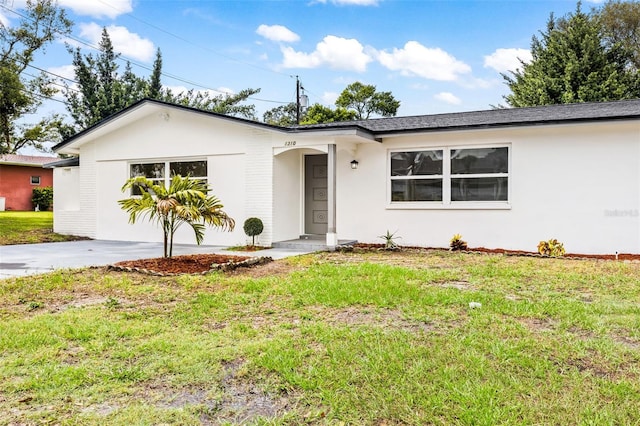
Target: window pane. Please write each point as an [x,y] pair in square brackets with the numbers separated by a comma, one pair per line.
[479,189]
[416,190]
[416,163]
[151,170]
[480,160]
[189,168]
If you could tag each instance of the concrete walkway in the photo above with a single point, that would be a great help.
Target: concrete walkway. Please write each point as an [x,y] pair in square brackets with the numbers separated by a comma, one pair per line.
[27,259]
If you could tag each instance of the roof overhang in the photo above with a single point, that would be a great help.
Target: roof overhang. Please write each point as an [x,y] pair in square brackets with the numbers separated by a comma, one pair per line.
[353,134]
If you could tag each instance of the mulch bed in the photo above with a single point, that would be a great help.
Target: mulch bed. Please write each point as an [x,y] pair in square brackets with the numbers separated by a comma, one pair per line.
[188,264]
[204,263]
[620,256]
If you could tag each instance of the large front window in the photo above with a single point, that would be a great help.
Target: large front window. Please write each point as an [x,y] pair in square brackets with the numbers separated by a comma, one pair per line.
[450,176]
[162,172]
[416,176]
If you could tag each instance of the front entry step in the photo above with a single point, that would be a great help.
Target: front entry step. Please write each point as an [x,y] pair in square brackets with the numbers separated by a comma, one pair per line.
[310,243]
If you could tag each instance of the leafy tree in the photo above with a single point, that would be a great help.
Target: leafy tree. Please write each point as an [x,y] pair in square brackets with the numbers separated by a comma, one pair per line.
[317,113]
[366,101]
[185,201]
[230,104]
[21,94]
[283,115]
[572,63]
[620,22]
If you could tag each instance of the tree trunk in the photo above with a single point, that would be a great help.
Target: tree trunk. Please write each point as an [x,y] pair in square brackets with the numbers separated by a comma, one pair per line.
[165,243]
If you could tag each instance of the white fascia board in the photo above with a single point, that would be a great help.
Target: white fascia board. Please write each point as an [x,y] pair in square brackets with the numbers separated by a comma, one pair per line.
[337,135]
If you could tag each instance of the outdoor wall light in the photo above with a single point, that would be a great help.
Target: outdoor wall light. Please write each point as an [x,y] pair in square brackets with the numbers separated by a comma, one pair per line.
[354,164]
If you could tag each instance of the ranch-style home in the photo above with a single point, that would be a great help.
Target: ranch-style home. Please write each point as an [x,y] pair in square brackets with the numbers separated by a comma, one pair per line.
[503,178]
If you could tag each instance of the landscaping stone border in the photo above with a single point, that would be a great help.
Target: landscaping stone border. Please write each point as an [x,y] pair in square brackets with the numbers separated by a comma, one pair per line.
[381,247]
[224,267]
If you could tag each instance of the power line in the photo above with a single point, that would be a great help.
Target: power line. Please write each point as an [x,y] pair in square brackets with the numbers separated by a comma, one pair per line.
[140,65]
[131,15]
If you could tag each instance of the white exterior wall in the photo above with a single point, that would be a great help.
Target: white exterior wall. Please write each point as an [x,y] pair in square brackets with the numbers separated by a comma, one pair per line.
[259,190]
[66,199]
[74,204]
[105,167]
[579,184]
[287,195]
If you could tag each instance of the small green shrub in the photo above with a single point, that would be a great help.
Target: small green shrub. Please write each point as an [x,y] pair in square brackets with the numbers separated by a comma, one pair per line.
[389,240]
[42,197]
[252,227]
[552,247]
[456,243]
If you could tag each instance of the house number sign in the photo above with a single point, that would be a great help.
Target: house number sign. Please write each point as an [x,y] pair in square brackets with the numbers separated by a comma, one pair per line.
[290,143]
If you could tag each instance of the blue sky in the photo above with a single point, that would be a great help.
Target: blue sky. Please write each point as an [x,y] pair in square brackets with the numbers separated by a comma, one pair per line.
[433,55]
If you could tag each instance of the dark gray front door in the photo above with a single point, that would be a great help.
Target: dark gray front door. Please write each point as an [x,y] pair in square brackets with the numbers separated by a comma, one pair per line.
[315,194]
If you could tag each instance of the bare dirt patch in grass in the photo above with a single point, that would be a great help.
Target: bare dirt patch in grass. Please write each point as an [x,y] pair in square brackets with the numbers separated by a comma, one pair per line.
[459,285]
[271,269]
[236,399]
[539,324]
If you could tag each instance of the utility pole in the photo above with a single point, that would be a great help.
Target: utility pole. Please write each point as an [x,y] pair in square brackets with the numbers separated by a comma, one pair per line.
[297,100]
[302,101]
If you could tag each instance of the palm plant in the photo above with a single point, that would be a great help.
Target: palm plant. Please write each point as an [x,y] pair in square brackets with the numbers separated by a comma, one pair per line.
[185,201]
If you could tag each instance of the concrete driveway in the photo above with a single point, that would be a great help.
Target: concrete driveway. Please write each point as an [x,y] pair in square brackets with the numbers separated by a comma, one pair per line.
[27,259]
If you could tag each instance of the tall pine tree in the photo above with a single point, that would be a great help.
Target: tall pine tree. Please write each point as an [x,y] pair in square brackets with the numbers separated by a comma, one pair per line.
[572,63]
[102,91]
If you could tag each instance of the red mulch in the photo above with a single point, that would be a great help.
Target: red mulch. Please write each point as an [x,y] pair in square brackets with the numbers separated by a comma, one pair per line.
[621,256]
[186,264]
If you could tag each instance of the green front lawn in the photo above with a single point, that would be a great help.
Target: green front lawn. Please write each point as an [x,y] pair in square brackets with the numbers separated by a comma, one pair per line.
[373,338]
[26,227]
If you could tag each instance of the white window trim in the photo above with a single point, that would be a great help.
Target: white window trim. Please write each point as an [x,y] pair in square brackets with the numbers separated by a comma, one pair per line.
[446,203]
[35,183]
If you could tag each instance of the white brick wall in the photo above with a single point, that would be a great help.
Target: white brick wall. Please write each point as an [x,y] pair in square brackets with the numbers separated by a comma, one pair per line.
[259,193]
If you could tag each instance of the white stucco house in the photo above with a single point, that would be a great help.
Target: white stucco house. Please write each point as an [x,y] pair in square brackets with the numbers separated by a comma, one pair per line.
[504,178]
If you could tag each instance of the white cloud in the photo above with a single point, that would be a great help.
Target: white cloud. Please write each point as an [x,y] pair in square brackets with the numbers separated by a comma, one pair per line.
[334,52]
[447,97]
[4,20]
[417,60]
[129,44]
[65,71]
[277,33]
[503,60]
[94,8]
[351,2]
[329,98]
[98,9]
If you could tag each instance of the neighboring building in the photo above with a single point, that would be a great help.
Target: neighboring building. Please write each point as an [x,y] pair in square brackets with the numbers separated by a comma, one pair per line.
[504,178]
[19,174]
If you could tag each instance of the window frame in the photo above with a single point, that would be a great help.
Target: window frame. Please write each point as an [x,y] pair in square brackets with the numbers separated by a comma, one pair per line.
[166,179]
[39,178]
[447,178]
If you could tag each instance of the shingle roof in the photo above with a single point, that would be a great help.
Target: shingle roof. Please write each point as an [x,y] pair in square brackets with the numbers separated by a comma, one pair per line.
[543,115]
[551,114]
[25,160]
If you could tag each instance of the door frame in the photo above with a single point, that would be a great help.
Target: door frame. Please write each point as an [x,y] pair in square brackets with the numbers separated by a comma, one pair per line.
[304,192]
